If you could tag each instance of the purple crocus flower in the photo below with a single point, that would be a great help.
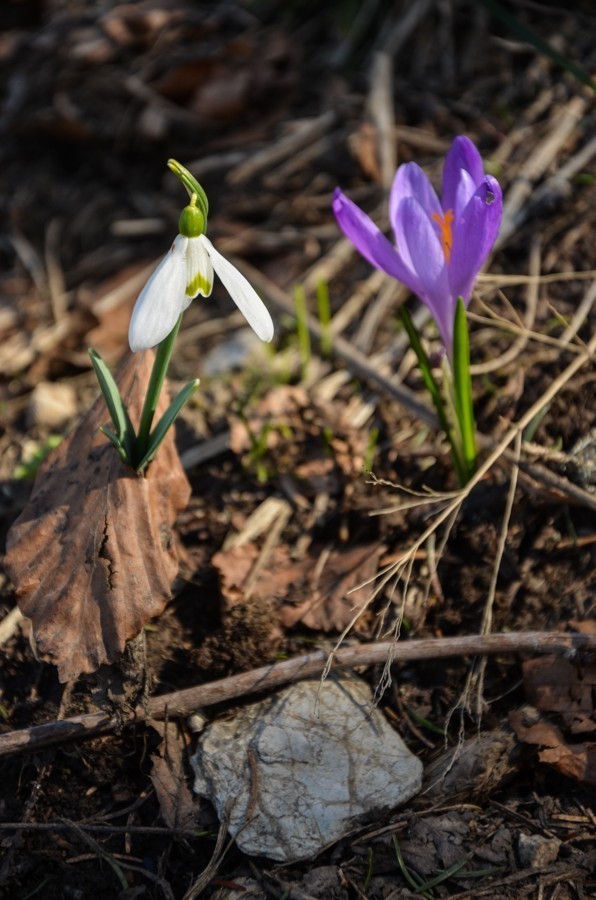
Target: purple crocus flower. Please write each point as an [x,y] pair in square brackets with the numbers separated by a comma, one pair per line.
[440,246]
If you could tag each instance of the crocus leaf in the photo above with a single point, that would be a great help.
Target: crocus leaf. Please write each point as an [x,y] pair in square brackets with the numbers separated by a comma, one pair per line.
[462,386]
[166,421]
[125,432]
[433,389]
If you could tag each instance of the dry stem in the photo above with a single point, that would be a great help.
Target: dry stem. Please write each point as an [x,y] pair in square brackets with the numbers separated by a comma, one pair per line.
[266,678]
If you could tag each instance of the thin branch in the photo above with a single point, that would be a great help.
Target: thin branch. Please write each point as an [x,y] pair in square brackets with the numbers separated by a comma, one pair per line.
[266,678]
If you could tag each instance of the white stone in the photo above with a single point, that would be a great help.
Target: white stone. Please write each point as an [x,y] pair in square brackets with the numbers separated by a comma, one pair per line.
[304,767]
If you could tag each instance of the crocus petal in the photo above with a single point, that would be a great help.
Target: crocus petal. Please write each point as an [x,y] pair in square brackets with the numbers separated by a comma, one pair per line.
[421,249]
[474,234]
[370,241]
[161,301]
[199,271]
[242,293]
[463,172]
[411,181]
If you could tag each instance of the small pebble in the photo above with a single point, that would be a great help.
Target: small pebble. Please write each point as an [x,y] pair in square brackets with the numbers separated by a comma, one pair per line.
[536,851]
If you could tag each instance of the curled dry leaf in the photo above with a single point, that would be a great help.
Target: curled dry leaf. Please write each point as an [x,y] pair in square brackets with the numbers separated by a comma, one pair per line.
[93,554]
[556,684]
[573,760]
[178,807]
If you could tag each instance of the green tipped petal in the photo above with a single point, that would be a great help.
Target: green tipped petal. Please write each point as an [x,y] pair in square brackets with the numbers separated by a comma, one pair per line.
[199,270]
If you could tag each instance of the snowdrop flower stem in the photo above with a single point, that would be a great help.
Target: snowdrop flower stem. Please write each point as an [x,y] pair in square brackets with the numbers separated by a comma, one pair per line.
[159,371]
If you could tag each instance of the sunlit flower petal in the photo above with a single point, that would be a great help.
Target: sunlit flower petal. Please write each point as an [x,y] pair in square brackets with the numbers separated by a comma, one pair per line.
[411,181]
[161,301]
[199,270]
[421,250]
[463,172]
[475,233]
[242,293]
[440,247]
[370,241]
[184,273]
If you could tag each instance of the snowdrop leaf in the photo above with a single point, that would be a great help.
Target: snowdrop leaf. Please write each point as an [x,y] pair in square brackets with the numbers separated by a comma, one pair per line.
[125,434]
[167,420]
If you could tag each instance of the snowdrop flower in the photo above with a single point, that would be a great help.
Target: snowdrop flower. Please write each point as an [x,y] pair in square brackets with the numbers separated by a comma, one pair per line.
[440,246]
[185,272]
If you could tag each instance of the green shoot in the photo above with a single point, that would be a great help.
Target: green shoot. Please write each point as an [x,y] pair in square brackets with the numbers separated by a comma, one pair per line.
[324,312]
[302,331]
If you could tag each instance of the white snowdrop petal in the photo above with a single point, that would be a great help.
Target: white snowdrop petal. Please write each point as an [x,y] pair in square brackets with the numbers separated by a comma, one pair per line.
[242,293]
[199,271]
[161,301]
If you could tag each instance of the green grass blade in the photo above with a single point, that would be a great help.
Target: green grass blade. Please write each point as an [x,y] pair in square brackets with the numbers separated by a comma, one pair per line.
[166,421]
[412,880]
[324,310]
[445,875]
[116,408]
[302,331]
[462,387]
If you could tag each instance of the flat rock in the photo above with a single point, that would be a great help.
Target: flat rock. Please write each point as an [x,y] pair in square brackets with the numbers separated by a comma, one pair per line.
[301,769]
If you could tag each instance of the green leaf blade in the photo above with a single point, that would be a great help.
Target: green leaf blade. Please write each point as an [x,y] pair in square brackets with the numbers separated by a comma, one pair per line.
[432,387]
[462,387]
[167,420]
[124,430]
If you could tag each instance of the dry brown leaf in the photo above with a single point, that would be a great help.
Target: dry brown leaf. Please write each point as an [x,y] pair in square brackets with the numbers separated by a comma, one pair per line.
[317,597]
[281,405]
[177,805]
[272,581]
[555,684]
[576,761]
[93,554]
[335,597]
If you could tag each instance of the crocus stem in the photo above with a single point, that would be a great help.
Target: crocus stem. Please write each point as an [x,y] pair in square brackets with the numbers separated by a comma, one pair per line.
[434,391]
[158,374]
[454,434]
[462,389]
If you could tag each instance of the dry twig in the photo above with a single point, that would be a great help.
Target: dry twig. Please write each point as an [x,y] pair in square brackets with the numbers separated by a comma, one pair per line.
[266,678]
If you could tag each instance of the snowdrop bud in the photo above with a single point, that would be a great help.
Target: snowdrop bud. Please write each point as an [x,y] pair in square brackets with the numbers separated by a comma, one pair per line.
[191,223]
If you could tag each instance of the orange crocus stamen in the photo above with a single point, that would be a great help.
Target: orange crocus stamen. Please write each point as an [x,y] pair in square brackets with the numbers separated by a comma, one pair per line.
[445,222]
